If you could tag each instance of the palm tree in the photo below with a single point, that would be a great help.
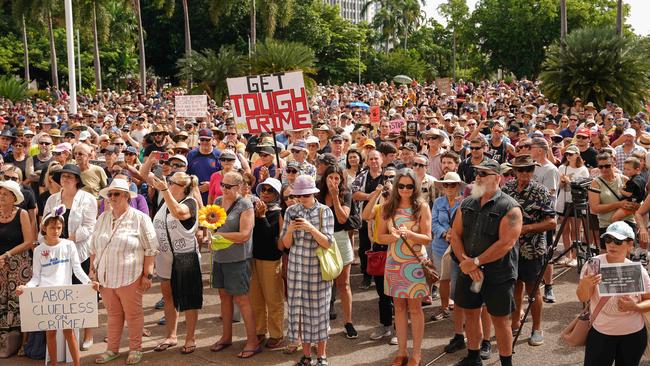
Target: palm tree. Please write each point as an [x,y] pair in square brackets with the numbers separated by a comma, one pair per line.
[273,13]
[143,62]
[95,12]
[41,12]
[597,65]
[277,56]
[19,11]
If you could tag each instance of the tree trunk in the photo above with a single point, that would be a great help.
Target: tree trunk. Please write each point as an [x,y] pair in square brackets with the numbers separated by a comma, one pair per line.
[563,22]
[55,71]
[96,60]
[143,65]
[619,17]
[253,25]
[25,51]
[188,38]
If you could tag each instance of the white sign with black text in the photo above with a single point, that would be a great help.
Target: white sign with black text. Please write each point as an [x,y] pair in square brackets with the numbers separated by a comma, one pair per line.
[621,279]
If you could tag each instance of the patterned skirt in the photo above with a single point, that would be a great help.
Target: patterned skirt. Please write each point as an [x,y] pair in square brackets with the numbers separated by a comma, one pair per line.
[16,272]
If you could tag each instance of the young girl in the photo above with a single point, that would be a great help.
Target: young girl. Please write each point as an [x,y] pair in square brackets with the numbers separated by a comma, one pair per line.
[54,261]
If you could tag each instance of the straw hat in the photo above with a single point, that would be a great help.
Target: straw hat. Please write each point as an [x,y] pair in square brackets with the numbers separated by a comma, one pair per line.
[450,177]
[117,185]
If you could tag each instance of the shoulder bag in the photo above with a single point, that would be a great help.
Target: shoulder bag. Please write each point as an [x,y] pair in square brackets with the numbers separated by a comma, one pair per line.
[186,280]
[428,268]
[331,263]
[354,218]
[575,334]
[610,188]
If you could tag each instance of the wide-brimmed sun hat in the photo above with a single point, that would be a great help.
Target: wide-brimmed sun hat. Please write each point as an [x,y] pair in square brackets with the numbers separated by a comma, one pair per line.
[304,184]
[271,182]
[120,185]
[450,177]
[70,169]
[14,188]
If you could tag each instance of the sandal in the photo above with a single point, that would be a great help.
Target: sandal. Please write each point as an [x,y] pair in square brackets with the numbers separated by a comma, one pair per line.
[292,348]
[218,347]
[105,357]
[248,353]
[21,351]
[146,332]
[165,345]
[274,343]
[134,357]
[186,350]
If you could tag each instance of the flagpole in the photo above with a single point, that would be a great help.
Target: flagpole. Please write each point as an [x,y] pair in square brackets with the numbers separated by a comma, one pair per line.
[72,80]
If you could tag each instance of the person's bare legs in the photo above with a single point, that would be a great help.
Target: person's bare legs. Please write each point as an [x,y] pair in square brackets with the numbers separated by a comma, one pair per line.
[50,337]
[417,326]
[445,289]
[459,320]
[536,309]
[473,328]
[345,293]
[246,310]
[401,325]
[171,315]
[226,316]
[73,346]
[519,297]
[486,324]
[322,349]
[504,335]
[191,318]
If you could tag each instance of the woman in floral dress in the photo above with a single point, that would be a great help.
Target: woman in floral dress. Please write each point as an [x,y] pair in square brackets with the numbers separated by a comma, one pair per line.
[406,217]
[308,225]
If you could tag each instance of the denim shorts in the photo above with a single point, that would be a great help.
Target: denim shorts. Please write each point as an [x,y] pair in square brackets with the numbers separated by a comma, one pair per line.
[234,277]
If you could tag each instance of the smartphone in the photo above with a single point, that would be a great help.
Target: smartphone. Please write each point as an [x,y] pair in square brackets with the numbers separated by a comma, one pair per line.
[411,128]
[160,155]
[158,172]
[593,266]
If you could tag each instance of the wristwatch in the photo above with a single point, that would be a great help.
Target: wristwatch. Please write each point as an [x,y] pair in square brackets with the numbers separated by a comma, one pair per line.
[477,262]
[149,276]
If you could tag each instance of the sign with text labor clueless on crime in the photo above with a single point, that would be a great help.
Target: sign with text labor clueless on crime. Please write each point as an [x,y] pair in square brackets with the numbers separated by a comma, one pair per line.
[267,103]
[58,307]
[191,106]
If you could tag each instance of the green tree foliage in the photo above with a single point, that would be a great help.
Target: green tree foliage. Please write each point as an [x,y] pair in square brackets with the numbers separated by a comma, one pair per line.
[597,65]
[276,56]
[396,62]
[12,88]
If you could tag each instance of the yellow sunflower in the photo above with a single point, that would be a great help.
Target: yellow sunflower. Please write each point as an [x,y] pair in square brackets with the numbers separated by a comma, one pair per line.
[212,216]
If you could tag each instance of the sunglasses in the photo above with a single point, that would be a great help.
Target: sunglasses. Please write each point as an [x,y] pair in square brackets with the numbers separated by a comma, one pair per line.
[267,190]
[263,155]
[611,239]
[178,166]
[294,196]
[449,185]
[433,138]
[418,165]
[406,186]
[525,169]
[15,179]
[389,177]
[44,143]
[295,151]
[231,134]
[582,137]
[226,160]
[292,171]
[227,186]
[475,148]
[113,194]
[604,166]
[170,181]
[483,173]
[118,143]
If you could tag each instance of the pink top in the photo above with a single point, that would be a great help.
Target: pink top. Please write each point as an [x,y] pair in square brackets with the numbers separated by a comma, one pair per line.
[215,186]
[610,320]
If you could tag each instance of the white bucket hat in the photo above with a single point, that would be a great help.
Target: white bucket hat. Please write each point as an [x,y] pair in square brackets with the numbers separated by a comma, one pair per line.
[14,188]
[117,185]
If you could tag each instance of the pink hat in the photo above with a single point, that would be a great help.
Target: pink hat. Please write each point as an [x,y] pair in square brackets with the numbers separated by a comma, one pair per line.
[304,184]
[64,146]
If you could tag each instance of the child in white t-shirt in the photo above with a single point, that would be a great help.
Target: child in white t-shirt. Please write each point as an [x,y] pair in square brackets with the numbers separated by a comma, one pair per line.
[55,260]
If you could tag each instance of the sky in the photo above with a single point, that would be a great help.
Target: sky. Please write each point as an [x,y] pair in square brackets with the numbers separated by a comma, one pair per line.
[639,8]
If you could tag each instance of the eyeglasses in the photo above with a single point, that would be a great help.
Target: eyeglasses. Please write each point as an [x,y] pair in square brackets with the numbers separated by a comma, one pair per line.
[525,169]
[294,196]
[582,137]
[418,165]
[263,155]
[292,171]
[178,166]
[267,190]
[604,166]
[15,179]
[231,133]
[227,186]
[44,143]
[406,186]
[226,160]
[295,151]
[610,239]
[113,194]
[475,147]
[389,177]
[449,185]
[435,137]
[483,173]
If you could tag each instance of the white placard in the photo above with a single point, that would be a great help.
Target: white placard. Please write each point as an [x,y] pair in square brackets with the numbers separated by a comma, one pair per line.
[58,307]
[621,279]
[191,105]
[266,103]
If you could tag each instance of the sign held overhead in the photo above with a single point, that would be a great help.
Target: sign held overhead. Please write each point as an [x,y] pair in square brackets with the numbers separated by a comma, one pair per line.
[191,106]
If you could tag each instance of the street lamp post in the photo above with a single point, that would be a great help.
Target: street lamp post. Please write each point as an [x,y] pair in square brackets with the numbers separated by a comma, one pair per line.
[72,80]
[359,63]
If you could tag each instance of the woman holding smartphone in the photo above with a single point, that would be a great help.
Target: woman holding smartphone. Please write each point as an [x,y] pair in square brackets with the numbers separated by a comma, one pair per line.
[618,333]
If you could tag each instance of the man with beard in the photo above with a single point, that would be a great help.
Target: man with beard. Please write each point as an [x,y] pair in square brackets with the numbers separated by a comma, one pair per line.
[483,236]
[157,136]
[477,156]
[539,217]
[587,153]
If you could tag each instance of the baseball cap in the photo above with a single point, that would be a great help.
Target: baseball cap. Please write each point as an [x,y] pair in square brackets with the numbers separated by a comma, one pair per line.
[489,164]
[630,131]
[205,132]
[84,135]
[131,150]
[619,230]
[327,159]
[369,142]
[583,132]
[337,137]
[179,157]
[64,146]
[299,145]
[409,146]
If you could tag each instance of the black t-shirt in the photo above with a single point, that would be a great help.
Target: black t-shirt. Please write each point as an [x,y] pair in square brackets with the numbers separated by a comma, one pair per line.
[29,203]
[466,170]
[589,157]
[636,185]
[265,236]
[188,223]
[346,201]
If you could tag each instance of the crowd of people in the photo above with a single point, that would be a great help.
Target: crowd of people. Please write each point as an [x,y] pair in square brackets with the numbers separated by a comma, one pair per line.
[475,178]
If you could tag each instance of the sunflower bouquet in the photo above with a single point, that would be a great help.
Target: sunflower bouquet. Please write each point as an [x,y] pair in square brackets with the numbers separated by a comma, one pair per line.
[213,217]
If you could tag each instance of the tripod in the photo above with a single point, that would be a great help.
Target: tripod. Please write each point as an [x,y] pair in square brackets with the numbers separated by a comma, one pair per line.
[580,212]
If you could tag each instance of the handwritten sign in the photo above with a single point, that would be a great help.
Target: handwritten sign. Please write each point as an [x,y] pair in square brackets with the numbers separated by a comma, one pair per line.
[375,114]
[191,105]
[396,125]
[444,85]
[621,279]
[58,307]
[272,102]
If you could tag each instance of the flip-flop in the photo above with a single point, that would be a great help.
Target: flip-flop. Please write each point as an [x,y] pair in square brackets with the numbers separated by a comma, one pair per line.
[250,352]
[165,345]
[106,357]
[186,350]
[218,347]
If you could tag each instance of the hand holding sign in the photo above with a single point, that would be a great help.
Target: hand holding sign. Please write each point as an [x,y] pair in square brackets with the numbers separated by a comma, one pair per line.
[375,114]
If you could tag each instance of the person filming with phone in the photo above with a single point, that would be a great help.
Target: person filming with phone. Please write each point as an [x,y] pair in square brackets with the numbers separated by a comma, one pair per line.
[618,333]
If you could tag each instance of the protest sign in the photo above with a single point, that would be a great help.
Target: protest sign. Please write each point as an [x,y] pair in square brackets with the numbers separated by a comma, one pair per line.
[266,103]
[621,279]
[396,125]
[375,114]
[191,105]
[58,307]
[444,85]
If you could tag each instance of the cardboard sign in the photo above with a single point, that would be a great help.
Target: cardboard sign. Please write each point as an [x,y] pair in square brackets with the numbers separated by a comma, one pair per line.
[375,114]
[58,307]
[266,103]
[396,125]
[444,85]
[191,105]
[621,279]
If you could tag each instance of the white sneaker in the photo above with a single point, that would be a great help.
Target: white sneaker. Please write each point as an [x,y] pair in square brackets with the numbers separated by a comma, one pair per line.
[381,332]
[536,338]
[393,341]
[572,263]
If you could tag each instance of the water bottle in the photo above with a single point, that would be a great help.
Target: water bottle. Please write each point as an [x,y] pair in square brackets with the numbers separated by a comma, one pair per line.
[476,286]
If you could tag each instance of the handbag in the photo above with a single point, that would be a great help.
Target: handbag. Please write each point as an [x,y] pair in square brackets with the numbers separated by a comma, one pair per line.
[376,262]
[10,343]
[331,263]
[354,219]
[186,279]
[575,334]
[430,273]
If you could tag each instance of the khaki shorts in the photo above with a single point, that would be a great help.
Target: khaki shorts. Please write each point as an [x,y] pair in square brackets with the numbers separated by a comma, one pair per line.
[445,265]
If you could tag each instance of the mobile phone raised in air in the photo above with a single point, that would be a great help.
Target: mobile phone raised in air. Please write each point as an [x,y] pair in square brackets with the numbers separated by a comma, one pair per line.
[160,155]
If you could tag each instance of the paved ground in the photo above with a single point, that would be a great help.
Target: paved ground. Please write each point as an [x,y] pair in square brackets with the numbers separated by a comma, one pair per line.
[342,351]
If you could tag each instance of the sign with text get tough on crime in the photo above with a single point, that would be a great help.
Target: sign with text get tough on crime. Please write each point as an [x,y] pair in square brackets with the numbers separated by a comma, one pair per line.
[267,103]
[58,307]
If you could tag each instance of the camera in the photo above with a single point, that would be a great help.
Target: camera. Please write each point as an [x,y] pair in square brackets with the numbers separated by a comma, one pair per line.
[579,189]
